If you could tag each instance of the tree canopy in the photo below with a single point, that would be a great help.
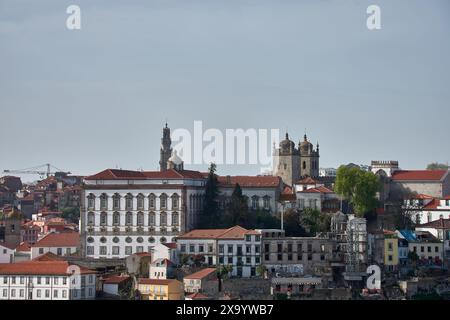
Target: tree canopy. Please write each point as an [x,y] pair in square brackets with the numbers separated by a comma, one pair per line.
[437,166]
[210,213]
[359,187]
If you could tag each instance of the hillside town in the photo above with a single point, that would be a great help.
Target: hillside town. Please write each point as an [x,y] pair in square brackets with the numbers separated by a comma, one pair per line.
[301,232]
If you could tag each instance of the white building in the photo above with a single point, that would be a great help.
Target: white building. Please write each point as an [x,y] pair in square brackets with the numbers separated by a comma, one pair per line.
[126,212]
[6,253]
[165,251]
[61,244]
[161,269]
[236,247]
[425,208]
[46,280]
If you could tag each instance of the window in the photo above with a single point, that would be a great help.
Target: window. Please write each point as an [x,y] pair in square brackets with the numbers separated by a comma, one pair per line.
[103,250]
[64,293]
[163,218]
[175,219]
[175,202]
[116,218]
[255,202]
[90,250]
[139,249]
[128,250]
[64,280]
[257,248]
[221,248]
[55,293]
[68,251]
[163,201]
[230,248]
[47,293]
[21,293]
[116,201]
[248,238]
[91,219]
[13,293]
[151,201]
[266,201]
[103,219]
[201,248]
[151,219]
[55,280]
[22,280]
[183,248]
[192,248]
[129,202]
[129,219]
[103,202]
[115,250]
[140,202]
[91,201]
[5,280]
[140,219]
[38,293]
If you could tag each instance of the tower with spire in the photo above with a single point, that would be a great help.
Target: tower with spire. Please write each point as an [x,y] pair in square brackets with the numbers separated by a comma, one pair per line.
[166,149]
[309,158]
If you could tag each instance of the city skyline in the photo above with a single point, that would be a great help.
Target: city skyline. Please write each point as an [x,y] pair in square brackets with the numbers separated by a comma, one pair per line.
[73,101]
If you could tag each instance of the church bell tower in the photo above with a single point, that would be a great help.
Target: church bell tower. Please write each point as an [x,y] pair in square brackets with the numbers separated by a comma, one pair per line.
[166,150]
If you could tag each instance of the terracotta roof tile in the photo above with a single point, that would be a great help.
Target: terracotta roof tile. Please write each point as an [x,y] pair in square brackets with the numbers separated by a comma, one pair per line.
[236,232]
[63,239]
[436,224]
[250,181]
[201,274]
[413,175]
[156,281]
[116,279]
[115,174]
[35,267]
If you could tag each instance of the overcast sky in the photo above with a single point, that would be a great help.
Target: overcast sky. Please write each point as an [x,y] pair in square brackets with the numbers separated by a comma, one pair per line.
[98,97]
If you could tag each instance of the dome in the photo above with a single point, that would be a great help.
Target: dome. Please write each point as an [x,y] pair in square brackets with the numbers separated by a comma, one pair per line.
[175,159]
[305,145]
[287,144]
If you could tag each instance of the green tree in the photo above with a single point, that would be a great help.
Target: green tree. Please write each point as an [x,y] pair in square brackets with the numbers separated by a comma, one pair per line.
[292,223]
[316,221]
[437,166]
[71,214]
[210,213]
[237,209]
[359,188]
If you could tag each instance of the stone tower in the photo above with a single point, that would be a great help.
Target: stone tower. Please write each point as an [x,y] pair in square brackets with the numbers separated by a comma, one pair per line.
[309,158]
[166,150]
[10,225]
[287,162]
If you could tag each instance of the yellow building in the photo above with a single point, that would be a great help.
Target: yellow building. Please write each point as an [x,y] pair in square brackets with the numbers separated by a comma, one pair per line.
[391,259]
[161,289]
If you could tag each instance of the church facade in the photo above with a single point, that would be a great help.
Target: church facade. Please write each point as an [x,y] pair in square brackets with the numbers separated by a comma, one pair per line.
[292,163]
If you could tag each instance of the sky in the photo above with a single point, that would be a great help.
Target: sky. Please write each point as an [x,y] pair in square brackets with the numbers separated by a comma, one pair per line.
[85,100]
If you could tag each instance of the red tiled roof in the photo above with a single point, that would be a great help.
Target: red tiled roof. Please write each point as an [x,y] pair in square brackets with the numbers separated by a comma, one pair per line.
[3,244]
[201,274]
[163,261]
[307,180]
[115,174]
[156,281]
[36,267]
[49,256]
[236,232]
[421,196]
[433,204]
[249,181]
[23,247]
[115,279]
[414,175]
[143,254]
[320,189]
[197,296]
[63,239]
[170,245]
[436,224]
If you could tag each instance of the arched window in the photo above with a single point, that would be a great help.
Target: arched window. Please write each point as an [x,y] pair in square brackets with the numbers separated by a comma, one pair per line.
[266,201]
[103,202]
[151,201]
[116,218]
[255,202]
[129,219]
[151,219]
[140,202]
[163,219]
[91,201]
[129,202]
[175,218]
[116,201]
[103,219]
[91,219]
[140,219]
[175,201]
[163,201]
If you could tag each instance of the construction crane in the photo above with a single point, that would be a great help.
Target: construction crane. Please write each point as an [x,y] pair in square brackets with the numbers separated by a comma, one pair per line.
[38,170]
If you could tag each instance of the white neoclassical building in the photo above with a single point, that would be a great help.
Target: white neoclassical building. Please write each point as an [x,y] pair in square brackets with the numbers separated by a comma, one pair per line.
[126,212]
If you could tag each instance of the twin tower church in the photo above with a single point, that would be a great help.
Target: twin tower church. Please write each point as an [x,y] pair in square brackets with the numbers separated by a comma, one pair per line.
[291,163]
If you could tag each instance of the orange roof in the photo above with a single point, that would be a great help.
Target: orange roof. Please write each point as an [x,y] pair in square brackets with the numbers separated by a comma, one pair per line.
[429,175]
[421,196]
[320,189]
[197,296]
[48,256]
[436,224]
[433,204]
[115,174]
[249,181]
[156,281]
[3,244]
[35,267]
[236,232]
[115,279]
[63,239]
[201,274]
[23,247]
[170,245]
[307,180]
